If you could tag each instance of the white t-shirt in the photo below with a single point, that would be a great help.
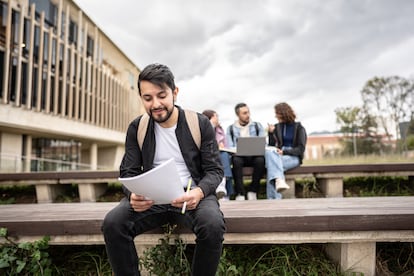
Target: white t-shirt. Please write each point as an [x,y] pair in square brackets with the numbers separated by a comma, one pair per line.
[166,148]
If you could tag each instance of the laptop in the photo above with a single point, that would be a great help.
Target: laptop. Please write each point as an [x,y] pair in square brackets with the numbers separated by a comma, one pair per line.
[251,146]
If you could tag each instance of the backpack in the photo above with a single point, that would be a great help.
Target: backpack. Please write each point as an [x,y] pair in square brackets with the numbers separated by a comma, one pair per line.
[192,121]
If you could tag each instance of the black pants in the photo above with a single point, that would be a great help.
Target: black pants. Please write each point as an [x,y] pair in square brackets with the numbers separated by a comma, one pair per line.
[122,224]
[258,164]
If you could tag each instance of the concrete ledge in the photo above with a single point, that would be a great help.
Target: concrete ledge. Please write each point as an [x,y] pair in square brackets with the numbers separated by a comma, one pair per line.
[352,251]
[248,238]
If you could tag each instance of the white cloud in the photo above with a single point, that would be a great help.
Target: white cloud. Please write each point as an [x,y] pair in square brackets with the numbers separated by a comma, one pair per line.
[315,55]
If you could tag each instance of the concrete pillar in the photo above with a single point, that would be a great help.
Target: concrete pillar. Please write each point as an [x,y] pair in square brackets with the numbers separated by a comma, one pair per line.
[89,192]
[93,156]
[332,186]
[28,154]
[354,257]
[141,248]
[48,191]
[291,192]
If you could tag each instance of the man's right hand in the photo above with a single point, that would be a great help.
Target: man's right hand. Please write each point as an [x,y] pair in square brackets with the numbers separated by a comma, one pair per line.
[139,203]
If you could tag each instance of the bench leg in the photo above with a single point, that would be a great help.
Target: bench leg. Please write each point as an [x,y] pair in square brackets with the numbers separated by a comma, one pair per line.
[331,187]
[291,192]
[90,192]
[46,193]
[141,248]
[357,257]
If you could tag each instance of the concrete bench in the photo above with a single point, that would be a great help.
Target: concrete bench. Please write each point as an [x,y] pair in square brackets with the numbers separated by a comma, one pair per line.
[349,227]
[330,178]
[92,184]
[48,185]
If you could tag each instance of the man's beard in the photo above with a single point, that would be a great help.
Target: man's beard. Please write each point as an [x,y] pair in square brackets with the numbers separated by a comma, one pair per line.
[162,119]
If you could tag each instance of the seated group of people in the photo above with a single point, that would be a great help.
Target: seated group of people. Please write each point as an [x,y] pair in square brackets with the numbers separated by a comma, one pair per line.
[286,148]
[168,135]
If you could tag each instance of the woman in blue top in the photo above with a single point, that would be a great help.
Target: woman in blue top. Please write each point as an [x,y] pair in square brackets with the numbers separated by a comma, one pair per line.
[289,140]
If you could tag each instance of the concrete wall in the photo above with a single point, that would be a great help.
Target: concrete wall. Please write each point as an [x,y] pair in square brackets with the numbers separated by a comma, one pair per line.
[11,152]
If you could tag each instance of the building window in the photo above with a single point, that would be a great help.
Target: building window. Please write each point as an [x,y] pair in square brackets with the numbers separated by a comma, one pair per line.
[13,80]
[89,47]
[73,32]
[55,155]
[15,31]
[36,45]
[34,87]
[131,80]
[49,8]
[2,71]
[26,37]
[3,23]
[63,26]
[45,48]
[23,84]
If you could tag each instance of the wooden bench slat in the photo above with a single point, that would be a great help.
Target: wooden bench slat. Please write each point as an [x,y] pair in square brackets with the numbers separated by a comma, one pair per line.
[290,215]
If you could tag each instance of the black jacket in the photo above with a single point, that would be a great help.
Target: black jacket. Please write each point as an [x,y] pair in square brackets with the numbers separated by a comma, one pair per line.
[299,140]
[204,164]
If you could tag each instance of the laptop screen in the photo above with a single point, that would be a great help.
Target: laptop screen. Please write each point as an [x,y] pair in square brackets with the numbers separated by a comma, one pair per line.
[251,146]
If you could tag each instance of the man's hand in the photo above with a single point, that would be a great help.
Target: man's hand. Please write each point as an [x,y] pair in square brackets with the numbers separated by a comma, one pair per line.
[193,199]
[139,203]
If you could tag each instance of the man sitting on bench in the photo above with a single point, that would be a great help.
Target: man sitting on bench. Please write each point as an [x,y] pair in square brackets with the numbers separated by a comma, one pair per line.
[244,127]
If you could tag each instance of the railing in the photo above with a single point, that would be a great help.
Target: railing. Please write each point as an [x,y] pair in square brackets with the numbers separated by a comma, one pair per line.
[10,163]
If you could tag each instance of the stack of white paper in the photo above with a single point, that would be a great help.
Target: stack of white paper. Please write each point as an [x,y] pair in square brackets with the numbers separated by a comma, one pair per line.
[161,184]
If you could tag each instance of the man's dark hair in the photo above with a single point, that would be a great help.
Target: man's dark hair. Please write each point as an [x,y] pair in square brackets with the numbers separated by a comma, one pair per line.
[157,74]
[238,106]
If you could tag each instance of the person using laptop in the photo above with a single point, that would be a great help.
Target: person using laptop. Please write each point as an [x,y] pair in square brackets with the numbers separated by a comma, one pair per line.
[288,139]
[225,189]
[244,127]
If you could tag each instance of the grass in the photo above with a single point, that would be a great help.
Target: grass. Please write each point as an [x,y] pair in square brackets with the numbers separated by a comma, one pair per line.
[360,159]
[246,260]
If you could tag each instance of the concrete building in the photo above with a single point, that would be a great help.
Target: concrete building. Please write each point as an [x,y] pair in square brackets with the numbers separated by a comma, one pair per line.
[323,145]
[67,92]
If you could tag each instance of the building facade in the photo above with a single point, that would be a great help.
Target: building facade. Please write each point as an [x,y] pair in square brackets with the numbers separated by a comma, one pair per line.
[67,92]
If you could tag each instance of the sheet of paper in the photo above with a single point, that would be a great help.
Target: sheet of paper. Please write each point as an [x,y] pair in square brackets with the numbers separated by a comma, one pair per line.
[161,184]
[229,150]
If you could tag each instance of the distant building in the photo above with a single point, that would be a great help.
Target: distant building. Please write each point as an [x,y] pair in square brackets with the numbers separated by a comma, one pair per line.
[67,92]
[323,145]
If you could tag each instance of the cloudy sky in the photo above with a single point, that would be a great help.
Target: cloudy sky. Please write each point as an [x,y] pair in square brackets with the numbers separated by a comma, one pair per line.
[315,55]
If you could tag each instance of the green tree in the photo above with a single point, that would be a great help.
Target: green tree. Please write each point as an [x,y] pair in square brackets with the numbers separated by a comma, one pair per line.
[350,121]
[360,131]
[390,100]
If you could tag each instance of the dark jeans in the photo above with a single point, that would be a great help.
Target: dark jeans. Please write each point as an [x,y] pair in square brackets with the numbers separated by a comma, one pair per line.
[258,164]
[122,224]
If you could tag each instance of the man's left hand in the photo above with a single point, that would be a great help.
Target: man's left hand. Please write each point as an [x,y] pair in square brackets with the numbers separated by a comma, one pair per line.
[193,198]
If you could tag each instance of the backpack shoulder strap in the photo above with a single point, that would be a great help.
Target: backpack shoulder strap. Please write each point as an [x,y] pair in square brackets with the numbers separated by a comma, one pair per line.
[142,129]
[257,128]
[194,125]
[192,121]
[232,133]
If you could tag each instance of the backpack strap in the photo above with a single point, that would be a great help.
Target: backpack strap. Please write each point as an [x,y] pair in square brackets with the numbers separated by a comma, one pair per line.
[192,121]
[194,125]
[232,131]
[257,128]
[142,129]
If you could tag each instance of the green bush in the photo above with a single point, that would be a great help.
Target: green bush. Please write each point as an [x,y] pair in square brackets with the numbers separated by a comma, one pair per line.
[167,258]
[28,258]
[410,142]
[378,186]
